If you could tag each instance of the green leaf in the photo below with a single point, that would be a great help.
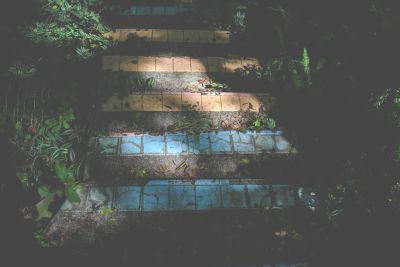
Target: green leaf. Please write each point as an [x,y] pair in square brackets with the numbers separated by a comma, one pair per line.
[72,195]
[66,125]
[42,207]
[271,124]
[43,191]
[306,61]
[105,211]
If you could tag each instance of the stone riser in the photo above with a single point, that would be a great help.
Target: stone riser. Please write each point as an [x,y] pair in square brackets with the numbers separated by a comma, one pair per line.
[122,169]
[124,123]
[206,238]
[199,205]
[134,48]
[173,82]
[192,103]
[169,36]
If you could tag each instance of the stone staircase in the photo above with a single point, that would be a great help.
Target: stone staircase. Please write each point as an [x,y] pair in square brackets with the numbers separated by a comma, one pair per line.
[131,174]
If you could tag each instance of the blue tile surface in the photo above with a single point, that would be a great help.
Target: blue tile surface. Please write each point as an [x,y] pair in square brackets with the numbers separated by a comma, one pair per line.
[143,10]
[131,145]
[133,10]
[158,11]
[212,182]
[177,143]
[108,145]
[224,182]
[204,194]
[180,182]
[208,197]
[264,143]
[171,11]
[199,144]
[127,197]
[153,144]
[282,144]
[260,196]
[284,196]
[155,198]
[182,197]
[233,196]
[164,182]
[220,142]
[243,142]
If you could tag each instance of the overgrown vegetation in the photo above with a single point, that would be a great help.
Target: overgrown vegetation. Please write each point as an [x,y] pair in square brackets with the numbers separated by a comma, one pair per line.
[42,97]
[72,25]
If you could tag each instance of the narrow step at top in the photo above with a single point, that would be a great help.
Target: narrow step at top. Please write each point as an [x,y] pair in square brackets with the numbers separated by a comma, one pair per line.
[170,35]
[177,102]
[178,195]
[156,2]
[143,10]
[175,64]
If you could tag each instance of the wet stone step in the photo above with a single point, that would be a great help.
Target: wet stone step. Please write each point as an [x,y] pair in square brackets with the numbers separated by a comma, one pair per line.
[196,195]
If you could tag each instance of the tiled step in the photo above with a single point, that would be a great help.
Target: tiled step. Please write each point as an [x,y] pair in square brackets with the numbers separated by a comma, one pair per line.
[265,154]
[196,195]
[155,2]
[174,73]
[170,36]
[175,64]
[180,143]
[224,207]
[177,102]
[270,265]
[146,10]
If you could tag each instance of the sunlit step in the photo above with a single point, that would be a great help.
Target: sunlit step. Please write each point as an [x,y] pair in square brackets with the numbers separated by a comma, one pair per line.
[175,64]
[176,102]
